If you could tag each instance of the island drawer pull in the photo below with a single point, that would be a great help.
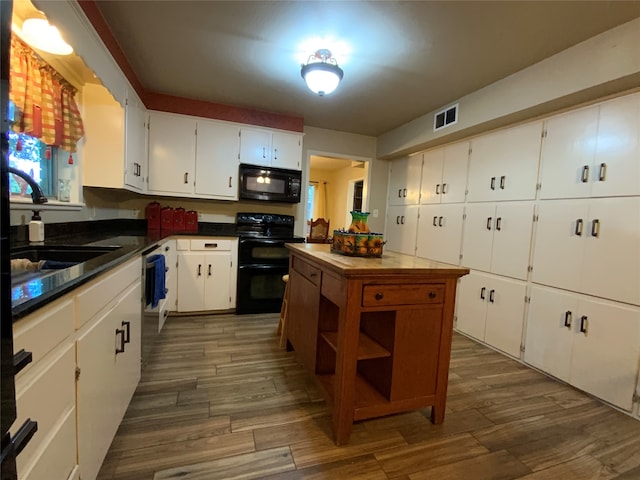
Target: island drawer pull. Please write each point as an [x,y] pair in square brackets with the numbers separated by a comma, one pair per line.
[432,294]
[379,296]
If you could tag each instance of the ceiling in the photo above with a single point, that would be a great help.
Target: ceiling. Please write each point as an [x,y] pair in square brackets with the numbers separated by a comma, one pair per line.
[401,59]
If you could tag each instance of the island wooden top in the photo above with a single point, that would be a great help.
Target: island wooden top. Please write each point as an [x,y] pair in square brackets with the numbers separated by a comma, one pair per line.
[389,264]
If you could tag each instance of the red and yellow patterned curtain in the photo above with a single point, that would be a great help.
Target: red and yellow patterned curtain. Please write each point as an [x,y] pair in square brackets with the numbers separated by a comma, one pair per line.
[45,103]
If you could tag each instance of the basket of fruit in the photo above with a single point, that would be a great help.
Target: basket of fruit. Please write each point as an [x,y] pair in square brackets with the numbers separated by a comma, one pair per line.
[357,240]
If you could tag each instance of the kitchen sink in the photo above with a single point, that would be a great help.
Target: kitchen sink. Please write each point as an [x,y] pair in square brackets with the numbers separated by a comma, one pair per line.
[56,258]
[61,253]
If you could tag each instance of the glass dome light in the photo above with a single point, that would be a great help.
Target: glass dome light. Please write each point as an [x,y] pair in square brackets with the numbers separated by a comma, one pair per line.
[322,73]
[38,33]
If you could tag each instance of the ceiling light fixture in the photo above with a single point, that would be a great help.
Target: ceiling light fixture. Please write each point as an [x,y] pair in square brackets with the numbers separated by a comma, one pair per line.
[38,33]
[322,73]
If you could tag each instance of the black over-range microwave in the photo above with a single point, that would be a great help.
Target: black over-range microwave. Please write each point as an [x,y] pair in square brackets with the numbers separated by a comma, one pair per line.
[270,184]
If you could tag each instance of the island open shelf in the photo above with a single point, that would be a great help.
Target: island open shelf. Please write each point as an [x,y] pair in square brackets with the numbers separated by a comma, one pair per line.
[376,332]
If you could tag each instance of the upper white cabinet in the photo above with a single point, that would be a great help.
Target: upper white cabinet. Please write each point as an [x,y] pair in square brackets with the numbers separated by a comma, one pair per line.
[590,247]
[404,180]
[440,232]
[504,165]
[172,153]
[497,238]
[114,152]
[270,149]
[444,174]
[402,226]
[593,151]
[217,159]
[590,343]
[189,156]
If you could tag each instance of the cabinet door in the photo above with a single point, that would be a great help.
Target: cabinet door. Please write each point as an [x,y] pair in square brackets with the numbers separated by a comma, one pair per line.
[558,249]
[431,185]
[404,180]
[617,170]
[302,318]
[551,324]
[504,165]
[471,309]
[611,267]
[217,273]
[171,260]
[191,274]
[217,151]
[454,173]
[505,314]
[172,153]
[287,151]
[255,147]
[136,158]
[568,148]
[606,351]
[478,236]
[402,227]
[512,239]
[440,233]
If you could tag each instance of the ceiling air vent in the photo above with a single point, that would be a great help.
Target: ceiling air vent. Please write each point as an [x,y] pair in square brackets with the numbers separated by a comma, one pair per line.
[445,117]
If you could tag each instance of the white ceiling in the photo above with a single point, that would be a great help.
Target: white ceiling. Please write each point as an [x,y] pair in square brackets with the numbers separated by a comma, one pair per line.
[401,59]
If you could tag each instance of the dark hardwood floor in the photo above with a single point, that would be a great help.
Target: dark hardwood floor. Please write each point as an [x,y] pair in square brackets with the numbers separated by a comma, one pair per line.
[220,400]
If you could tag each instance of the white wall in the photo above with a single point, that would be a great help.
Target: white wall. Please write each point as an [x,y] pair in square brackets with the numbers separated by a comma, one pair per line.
[602,65]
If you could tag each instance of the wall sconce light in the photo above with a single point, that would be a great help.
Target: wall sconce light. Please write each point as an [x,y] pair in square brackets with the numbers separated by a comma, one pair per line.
[322,73]
[38,33]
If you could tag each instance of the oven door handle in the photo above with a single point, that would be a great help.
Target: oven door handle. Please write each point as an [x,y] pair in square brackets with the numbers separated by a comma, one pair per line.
[264,241]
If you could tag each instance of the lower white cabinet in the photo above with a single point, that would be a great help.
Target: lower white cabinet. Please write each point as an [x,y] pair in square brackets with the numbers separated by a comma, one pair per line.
[207,274]
[108,358]
[402,226]
[590,343]
[491,309]
[440,232]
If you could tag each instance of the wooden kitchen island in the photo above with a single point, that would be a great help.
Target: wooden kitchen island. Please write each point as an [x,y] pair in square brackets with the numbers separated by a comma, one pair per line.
[376,332]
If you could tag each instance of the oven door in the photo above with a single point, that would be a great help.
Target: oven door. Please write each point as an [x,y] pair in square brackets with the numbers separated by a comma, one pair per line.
[260,288]
[253,251]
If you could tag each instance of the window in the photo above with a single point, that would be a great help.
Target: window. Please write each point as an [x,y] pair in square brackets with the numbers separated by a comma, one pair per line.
[35,158]
[357,195]
[311,190]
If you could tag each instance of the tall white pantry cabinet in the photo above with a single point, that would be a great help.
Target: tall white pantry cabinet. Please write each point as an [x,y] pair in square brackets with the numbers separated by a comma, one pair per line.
[547,217]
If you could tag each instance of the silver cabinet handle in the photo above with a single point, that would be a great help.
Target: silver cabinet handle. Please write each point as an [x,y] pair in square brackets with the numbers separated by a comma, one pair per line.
[603,172]
[585,174]
[210,245]
[404,193]
[489,223]
[567,319]
[493,183]
[584,324]
[230,181]
[578,230]
[498,223]
[595,228]
[503,178]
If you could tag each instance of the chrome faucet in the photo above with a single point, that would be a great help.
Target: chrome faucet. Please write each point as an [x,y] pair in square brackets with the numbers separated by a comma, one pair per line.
[37,195]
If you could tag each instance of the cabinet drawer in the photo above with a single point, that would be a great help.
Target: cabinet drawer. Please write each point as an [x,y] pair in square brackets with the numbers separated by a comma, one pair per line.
[211,244]
[307,270]
[41,331]
[402,294]
[105,290]
[45,396]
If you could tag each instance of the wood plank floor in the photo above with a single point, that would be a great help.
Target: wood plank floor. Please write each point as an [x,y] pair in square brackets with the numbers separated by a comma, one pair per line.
[220,400]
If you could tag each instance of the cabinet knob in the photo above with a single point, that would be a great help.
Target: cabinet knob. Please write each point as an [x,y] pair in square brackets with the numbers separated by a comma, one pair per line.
[433,294]
[379,296]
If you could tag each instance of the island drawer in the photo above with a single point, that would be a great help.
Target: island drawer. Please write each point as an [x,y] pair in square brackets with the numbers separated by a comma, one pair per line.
[307,270]
[402,294]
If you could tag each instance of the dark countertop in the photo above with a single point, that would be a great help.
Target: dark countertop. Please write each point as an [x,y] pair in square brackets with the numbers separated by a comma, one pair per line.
[41,290]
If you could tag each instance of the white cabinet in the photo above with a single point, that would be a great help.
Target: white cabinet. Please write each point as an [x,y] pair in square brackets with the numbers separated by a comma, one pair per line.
[270,149]
[217,150]
[440,232]
[591,344]
[114,152]
[491,309]
[108,358]
[136,142]
[193,157]
[593,151]
[590,247]
[497,237]
[404,180]
[207,274]
[172,153]
[504,165]
[444,174]
[401,229]
[47,334]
